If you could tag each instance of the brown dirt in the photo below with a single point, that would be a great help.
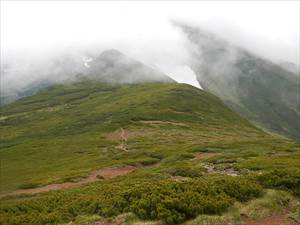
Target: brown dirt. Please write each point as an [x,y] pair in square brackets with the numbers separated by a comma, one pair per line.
[123,135]
[120,135]
[105,173]
[271,220]
[114,172]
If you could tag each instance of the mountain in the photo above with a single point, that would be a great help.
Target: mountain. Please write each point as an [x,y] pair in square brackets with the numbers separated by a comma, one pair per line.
[96,151]
[292,67]
[110,66]
[114,67]
[261,91]
[69,125]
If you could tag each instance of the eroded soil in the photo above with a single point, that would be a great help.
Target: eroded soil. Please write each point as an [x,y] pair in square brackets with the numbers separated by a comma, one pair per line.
[105,173]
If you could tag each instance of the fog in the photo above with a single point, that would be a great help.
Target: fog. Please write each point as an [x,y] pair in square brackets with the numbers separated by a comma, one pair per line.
[38,36]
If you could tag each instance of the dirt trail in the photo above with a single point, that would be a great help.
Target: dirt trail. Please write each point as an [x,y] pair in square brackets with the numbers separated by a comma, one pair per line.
[121,136]
[271,220]
[105,173]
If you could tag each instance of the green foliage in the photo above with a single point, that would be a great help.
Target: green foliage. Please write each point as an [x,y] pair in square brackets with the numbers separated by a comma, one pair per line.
[296,214]
[184,171]
[170,201]
[149,161]
[286,179]
[258,89]
[86,220]
[178,157]
[214,220]
[28,185]
[63,132]
[67,131]
[273,202]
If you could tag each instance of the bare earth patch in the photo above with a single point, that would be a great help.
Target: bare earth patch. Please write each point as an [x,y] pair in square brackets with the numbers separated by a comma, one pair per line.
[114,172]
[271,220]
[123,135]
[105,173]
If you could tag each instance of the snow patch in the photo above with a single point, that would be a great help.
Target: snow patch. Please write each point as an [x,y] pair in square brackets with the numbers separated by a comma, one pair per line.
[86,61]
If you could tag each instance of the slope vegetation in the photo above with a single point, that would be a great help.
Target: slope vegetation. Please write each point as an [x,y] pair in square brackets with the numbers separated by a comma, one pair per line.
[68,130]
[106,153]
[261,91]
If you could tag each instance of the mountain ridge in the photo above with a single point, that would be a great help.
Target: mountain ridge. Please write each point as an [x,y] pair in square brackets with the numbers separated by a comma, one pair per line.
[88,108]
[115,67]
[263,92]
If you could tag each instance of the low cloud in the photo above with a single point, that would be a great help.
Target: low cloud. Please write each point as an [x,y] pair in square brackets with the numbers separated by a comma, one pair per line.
[55,49]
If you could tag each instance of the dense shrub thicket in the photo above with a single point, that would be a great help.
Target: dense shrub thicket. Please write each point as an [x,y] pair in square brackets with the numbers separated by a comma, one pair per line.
[184,172]
[286,179]
[170,201]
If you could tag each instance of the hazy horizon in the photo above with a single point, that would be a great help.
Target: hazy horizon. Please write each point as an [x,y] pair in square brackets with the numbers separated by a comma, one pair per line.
[35,35]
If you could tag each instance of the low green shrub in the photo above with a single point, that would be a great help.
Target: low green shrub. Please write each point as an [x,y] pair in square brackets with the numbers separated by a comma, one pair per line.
[29,185]
[273,202]
[185,172]
[296,214]
[149,161]
[285,179]
[170,201]
[178,157]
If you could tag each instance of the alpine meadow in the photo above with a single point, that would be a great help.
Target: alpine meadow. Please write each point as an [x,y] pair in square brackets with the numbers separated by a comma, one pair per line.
[176,119]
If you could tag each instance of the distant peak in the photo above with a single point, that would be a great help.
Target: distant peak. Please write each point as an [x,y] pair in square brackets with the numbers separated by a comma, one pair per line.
[111,53]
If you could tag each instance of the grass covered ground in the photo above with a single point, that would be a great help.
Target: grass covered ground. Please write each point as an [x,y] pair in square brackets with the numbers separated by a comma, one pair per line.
[66,132]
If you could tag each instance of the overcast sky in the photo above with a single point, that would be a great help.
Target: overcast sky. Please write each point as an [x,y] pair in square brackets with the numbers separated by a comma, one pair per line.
[143,30]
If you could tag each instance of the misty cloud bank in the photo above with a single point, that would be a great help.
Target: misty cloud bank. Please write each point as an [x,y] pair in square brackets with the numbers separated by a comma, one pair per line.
[22,76]
[37,53]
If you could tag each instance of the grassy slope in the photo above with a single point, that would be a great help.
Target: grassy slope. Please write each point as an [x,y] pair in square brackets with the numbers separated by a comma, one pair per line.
[267,95]
[64,132]
[258,89]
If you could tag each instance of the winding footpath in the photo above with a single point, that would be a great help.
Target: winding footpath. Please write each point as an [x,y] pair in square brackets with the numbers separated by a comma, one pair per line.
[105,173]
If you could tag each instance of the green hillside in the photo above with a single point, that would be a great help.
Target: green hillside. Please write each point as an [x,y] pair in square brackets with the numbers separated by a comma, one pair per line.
[63,132]
[189,153]
[261,91]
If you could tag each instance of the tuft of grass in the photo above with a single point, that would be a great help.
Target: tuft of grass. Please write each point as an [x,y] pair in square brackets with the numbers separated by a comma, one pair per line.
[85,220]
[232,216]
[273,202]
[296,213]
[213,220]
[29,185]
